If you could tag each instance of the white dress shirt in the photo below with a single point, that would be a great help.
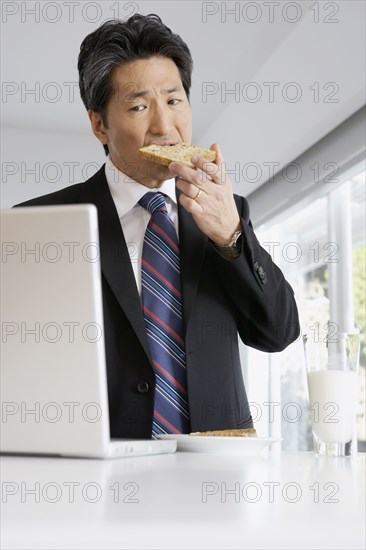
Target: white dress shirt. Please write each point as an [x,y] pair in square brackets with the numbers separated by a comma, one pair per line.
[134,219]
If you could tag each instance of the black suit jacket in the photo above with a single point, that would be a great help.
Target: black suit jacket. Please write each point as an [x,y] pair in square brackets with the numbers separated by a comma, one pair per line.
[221,299]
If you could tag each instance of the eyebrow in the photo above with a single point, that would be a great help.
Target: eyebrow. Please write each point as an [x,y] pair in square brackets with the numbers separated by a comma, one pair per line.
[143,93]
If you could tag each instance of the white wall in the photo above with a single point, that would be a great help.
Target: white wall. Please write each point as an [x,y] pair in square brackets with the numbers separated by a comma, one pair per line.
[320,51]
[37,162]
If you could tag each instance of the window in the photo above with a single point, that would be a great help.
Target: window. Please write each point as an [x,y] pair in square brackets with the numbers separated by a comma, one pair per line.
[319,244]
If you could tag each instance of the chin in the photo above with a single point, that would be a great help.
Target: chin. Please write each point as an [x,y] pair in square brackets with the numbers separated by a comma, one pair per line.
[161,171]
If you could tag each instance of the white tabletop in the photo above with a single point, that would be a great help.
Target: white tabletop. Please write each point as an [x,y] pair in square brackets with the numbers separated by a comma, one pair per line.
[183,500]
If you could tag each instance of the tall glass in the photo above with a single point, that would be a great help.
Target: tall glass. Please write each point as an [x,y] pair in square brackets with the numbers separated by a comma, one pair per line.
[332,370]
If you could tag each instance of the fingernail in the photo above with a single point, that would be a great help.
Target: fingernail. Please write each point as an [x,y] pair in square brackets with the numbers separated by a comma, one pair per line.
[194,158]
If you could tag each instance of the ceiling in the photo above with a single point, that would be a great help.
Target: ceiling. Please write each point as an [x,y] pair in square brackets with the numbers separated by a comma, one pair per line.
[314,69]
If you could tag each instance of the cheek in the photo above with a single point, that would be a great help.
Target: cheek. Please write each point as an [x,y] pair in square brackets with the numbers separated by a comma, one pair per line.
[132,134]
[186,122]
[124,138]
[187,132]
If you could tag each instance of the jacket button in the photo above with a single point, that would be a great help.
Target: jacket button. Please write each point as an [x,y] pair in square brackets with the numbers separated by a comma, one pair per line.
[143,387]
[262,274]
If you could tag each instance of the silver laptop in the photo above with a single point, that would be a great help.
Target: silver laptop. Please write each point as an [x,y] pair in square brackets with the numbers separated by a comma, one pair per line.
[54,397]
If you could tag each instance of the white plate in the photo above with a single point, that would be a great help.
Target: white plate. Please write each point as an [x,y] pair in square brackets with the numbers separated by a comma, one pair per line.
[216,444]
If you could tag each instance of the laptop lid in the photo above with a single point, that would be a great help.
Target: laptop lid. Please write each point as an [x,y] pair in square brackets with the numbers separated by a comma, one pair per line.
[54,397]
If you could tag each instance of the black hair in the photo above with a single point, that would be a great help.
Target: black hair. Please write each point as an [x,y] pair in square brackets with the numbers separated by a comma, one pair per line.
[116,43]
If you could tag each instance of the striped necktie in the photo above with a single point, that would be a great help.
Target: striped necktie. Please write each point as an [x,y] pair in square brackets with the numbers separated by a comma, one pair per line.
[162,309]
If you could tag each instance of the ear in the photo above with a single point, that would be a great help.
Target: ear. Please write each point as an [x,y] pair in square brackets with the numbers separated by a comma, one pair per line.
[98,127]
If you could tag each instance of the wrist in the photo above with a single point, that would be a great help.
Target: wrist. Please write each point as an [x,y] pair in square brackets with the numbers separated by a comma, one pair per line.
[228,241]
[231,250]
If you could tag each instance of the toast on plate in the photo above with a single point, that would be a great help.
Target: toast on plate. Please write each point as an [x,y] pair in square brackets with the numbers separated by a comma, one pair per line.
[245,432]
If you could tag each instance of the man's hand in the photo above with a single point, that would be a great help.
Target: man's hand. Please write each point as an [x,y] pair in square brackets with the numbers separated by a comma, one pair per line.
[208,196]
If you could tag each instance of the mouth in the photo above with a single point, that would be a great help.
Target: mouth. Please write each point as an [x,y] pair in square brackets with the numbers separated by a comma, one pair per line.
[164,143]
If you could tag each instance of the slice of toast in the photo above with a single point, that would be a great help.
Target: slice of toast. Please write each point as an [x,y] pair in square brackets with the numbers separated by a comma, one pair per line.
[165,154]
[245,432]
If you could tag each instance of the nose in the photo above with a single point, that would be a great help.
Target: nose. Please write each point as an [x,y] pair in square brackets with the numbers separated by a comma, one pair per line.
[161,119]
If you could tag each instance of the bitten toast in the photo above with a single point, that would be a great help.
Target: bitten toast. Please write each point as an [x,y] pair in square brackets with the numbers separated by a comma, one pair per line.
[165,154]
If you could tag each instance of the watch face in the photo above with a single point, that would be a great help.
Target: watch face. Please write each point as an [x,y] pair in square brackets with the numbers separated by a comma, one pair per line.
[236,250]
[233,249]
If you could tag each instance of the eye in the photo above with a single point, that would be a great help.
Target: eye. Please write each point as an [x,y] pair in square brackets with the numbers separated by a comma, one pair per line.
[177,101]
[137,108]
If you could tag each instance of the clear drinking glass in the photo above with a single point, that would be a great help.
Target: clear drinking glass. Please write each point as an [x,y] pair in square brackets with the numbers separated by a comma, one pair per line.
[332,371]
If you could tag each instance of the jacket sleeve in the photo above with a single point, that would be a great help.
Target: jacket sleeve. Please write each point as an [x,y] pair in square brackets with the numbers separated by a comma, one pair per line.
[266,308]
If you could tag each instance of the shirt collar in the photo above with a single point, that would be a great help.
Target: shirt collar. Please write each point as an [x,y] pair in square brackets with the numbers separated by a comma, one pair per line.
[126,192]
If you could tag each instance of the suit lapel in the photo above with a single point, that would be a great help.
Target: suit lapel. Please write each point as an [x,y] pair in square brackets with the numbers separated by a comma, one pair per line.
[192,244]
[115,259]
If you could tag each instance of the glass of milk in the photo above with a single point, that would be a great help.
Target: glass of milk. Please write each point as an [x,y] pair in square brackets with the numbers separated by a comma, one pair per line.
[332,370]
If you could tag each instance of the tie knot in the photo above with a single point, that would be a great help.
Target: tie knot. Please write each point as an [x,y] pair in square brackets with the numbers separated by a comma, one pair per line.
[153,202]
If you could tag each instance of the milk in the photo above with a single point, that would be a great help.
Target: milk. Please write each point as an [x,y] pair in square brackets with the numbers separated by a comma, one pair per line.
[332,395]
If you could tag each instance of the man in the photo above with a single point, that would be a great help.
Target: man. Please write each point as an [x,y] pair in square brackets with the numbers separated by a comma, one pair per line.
[196,275]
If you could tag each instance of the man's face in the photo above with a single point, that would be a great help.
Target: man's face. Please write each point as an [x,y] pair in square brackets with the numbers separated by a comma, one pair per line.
[149,105]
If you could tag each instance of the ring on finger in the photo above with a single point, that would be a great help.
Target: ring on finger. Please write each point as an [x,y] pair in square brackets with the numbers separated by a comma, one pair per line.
[196,196]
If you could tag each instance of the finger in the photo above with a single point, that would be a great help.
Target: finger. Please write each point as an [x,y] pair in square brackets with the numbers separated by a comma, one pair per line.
[189,174]
[210,170]
[182,170]
[216,169]
[190,205]
[220,161]
[219,158]
[189,189]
